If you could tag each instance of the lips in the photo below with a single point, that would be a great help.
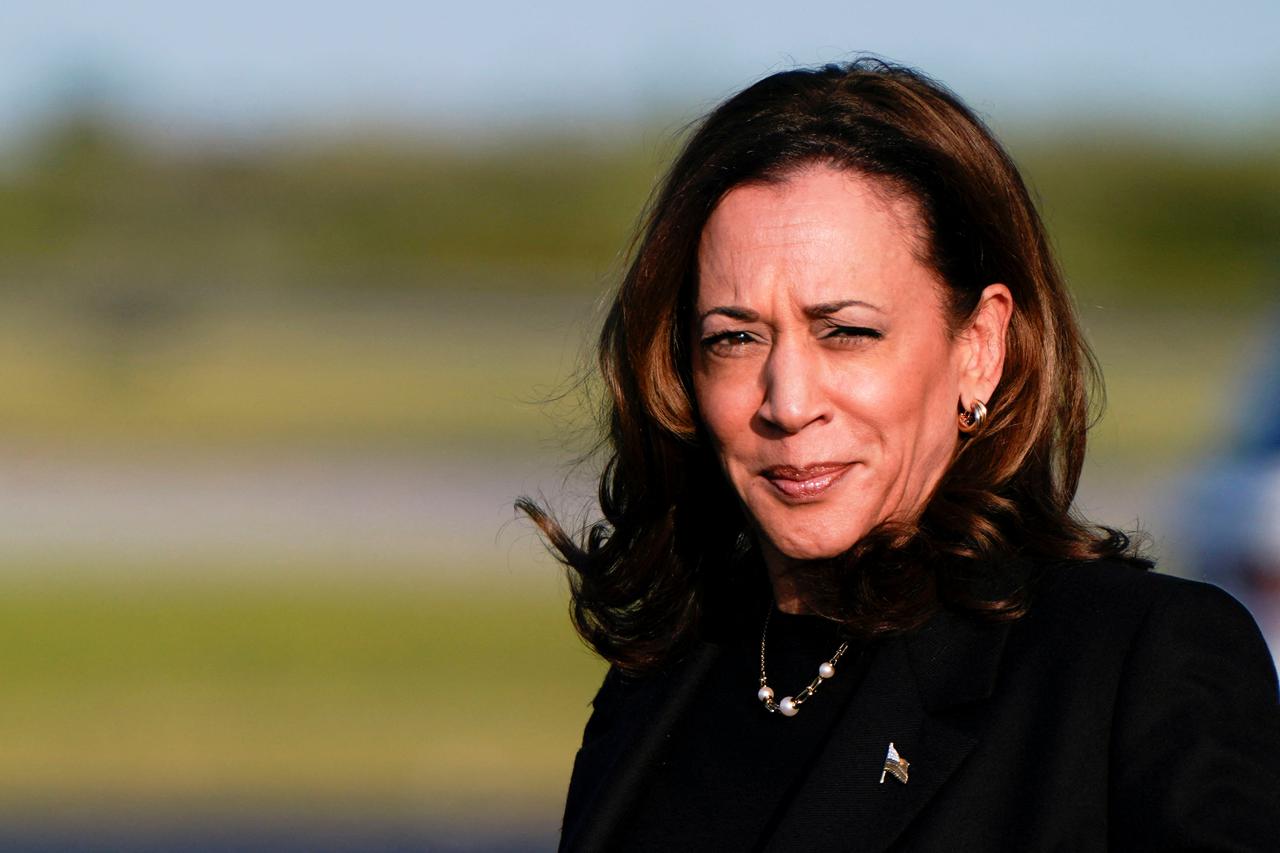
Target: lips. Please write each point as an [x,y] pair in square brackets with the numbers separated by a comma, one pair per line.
[807,482]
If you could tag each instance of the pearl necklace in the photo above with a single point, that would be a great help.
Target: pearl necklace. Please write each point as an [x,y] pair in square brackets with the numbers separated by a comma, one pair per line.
[790,705]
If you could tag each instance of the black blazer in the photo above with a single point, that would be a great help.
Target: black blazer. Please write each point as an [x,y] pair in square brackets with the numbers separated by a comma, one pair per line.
[1126,711]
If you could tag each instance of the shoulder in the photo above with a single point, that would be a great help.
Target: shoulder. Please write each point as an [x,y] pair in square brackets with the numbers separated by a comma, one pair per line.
[1123,605]
[1174,680]
[620,695]
[1113,585]
[1133,640]
[615,716]
[1193,705]
[630,714]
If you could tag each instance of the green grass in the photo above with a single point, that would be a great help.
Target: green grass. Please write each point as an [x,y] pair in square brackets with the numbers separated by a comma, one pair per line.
[331,694]
[422,373]
[1171,381]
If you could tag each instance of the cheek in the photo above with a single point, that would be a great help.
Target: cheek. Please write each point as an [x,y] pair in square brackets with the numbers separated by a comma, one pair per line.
[729,424]
[727,403]
[909,398]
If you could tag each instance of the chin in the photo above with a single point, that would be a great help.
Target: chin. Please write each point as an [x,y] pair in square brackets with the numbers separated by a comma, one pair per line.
[808,551]
[798,544]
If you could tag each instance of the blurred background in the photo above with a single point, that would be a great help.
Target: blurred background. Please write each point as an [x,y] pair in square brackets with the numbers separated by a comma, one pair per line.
[285,292]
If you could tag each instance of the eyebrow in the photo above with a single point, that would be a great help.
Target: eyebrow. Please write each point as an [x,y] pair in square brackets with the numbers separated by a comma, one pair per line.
[826,309]
[822,309]
[733,312]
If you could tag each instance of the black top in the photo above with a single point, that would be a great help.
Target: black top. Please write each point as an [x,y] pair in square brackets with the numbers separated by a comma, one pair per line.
[728,747]
[1126,711]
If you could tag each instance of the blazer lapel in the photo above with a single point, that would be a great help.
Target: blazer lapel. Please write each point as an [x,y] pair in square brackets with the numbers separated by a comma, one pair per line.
[638,749]
[910,684]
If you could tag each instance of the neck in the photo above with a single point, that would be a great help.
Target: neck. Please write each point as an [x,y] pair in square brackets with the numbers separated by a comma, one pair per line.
[785,590]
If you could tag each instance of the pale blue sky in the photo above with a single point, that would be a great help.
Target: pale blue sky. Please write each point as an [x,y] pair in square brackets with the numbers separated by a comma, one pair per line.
[247,65]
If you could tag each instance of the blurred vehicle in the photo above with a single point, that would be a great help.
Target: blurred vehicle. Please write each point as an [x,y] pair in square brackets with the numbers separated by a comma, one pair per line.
[1229,506]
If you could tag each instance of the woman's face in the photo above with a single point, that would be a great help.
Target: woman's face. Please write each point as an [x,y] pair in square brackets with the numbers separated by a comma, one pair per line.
[822,363]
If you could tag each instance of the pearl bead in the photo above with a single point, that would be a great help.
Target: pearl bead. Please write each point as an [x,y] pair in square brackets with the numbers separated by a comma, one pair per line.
[787,707]
[826,670]
[764,694]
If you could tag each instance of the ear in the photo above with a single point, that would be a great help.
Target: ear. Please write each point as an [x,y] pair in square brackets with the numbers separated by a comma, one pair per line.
[981,345]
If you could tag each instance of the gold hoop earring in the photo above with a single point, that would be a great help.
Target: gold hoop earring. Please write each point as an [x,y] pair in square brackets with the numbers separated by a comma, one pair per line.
[972,420]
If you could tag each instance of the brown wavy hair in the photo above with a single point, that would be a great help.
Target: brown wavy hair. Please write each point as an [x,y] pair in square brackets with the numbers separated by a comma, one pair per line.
[673,550]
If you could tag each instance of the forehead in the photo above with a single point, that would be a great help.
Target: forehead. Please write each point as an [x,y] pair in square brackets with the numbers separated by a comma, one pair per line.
[819,235]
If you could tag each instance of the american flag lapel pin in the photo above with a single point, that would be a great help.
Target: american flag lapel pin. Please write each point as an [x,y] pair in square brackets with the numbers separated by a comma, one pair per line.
[894,765]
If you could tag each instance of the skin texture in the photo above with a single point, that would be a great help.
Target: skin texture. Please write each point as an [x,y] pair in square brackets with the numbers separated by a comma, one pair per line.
[820,339]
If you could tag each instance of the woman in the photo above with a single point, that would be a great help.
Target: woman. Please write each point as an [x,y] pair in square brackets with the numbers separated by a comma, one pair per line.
[843,595]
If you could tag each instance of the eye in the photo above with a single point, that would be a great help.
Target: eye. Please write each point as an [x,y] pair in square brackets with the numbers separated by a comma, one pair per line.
[854,333]
[728,343]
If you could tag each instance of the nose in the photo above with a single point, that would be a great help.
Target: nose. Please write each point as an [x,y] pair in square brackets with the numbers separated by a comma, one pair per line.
[793,395]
